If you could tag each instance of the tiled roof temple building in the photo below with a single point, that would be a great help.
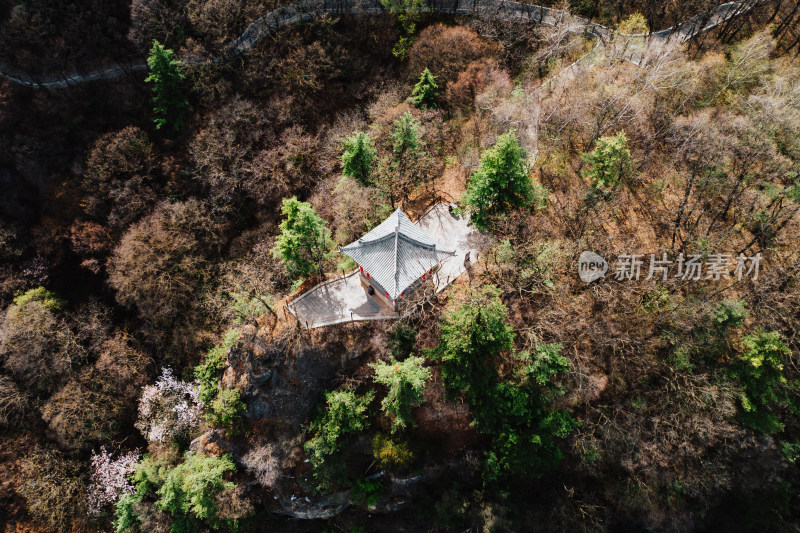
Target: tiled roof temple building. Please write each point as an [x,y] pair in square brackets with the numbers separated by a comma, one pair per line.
[394,256]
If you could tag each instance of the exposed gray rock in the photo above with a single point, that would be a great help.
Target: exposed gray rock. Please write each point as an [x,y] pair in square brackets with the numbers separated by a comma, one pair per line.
[314,508]
[276,382]
[397,495]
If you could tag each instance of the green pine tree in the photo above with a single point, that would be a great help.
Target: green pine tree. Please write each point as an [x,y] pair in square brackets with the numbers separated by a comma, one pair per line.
[760,371]
[305,240]
[611,161]
[501,183]
[406,136]
[408,13]
[424,93]
[516,412]
[403,169]
[406,381]
[169,100]
[344,416]
[474,337]
[357,157]
[189,491]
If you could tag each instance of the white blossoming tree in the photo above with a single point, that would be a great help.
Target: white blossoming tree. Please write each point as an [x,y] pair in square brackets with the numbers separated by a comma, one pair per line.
[109,478]
[168,409]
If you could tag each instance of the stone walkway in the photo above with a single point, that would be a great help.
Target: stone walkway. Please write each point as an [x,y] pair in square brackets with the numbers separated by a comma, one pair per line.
[345,299]
[451,233]
[340,300]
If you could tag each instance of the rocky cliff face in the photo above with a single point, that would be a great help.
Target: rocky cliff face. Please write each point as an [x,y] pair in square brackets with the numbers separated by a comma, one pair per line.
[281,378]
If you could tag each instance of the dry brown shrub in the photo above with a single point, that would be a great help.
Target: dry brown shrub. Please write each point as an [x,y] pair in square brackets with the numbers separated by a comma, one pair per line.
[234,504]
[478,77]
[216,22]
[153,518]
[447,50]
[238,159]
[151,19]
[722,207]
[306,69]
[37,347]
[90,240]
[223,147]
[264,464]
[117,181]
[13,401]
[384,124]
[330,145]
[100,403]
[123,367]
[391,97]
[118,155]
[55,491]
[518,110]
[212,83]
[79,418]
[159,262]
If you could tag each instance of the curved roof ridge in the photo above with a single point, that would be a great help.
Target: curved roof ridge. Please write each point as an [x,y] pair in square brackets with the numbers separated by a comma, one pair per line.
[435,246]
[362,242]
[397,257]
[395,253]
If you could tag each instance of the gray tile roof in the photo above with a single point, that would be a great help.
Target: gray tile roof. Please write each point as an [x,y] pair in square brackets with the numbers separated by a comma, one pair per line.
[396,253]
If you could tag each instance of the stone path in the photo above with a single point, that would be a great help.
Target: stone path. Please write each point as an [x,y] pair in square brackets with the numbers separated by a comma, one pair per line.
[341,300]
[641,48]
[451,233]
[307,10]
[345,299]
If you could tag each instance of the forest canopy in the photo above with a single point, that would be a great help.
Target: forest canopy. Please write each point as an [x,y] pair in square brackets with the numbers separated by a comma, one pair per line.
[170,190]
